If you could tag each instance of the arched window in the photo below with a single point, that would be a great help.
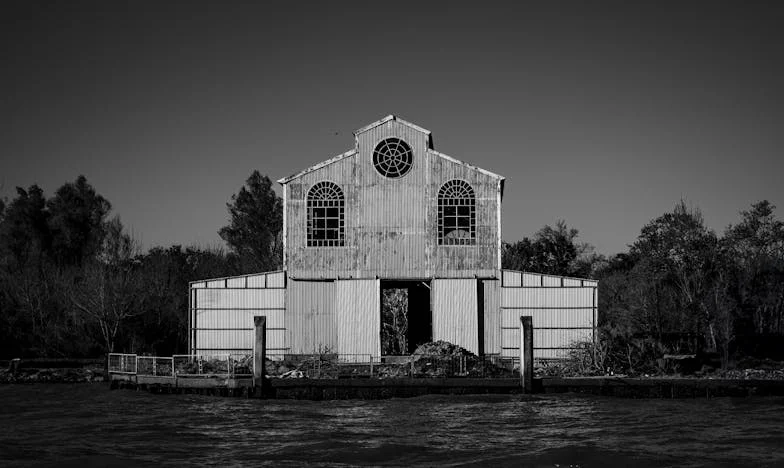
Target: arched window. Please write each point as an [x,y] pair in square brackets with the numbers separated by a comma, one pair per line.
[456,214]
[325,215]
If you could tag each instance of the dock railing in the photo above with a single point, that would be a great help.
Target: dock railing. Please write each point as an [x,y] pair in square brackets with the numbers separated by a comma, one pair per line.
[154,366]
[213,365]
[342,366]
[318,366]
[122,363]
[183,365]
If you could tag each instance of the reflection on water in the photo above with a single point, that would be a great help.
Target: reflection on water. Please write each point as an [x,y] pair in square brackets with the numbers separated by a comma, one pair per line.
[89,425]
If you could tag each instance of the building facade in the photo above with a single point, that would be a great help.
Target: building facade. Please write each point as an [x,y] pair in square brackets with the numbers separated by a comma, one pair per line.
[392,213]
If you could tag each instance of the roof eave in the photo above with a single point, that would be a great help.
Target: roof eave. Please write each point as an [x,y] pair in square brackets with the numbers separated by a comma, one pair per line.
[470,166]
[334,159]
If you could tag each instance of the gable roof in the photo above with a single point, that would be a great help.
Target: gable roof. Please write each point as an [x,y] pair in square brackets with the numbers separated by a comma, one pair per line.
[386,119]
[393,118]
[329,161]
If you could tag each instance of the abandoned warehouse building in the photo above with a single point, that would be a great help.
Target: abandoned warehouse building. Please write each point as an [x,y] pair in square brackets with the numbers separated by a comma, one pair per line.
[387,246]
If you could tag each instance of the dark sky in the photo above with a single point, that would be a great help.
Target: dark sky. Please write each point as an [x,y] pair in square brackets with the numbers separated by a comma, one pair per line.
[604,115]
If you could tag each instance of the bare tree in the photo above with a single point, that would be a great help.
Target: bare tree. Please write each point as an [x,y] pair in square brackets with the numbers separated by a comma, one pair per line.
[109,291]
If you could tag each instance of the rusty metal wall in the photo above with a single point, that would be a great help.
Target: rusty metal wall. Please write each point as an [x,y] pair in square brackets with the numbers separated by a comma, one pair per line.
[310,317]
[563,312]
[456,312]
[391,224]
[222,311]
[358,314]
[491,296]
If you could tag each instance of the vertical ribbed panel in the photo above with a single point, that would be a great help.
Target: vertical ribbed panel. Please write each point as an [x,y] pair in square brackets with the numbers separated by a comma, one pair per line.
[358,314]
[561,315]
[276,280]
[511,279]
[492,316]
[455,312]
[222,312]
[310,317]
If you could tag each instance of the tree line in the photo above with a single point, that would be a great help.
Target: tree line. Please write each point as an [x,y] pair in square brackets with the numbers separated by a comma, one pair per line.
[680,288]
[74,282]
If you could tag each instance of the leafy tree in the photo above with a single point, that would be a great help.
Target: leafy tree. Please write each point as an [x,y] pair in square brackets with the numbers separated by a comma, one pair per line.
[520,255]
[556,248]
[678,256]
[554,251]
[24,233]
[76,220]
[254,231]
[756,246]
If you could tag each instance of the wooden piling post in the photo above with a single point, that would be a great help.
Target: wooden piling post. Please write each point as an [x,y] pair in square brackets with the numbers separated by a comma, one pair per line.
[527,354]
[259,353]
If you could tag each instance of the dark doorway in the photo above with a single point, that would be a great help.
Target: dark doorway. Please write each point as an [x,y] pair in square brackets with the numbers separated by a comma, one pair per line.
[406,319]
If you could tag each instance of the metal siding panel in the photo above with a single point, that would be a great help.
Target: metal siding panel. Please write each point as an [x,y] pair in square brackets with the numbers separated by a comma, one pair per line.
[258,299]
[276,280]
[238,318]
[492,316]
[223,318]
[510,338]
[236,340]
[310,323]
[552,281]
[358,317]
[531,279]
[225,339]
[511,278]
[455,312]
[549,318]
[546,297]
[236,282]
[256,281]
[560,315]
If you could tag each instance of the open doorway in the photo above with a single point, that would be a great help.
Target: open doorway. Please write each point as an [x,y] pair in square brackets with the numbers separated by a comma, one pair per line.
[406,319]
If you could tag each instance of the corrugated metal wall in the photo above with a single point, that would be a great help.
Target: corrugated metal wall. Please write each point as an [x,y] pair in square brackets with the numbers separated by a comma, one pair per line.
[358,313]
[456,312]
[391,224]
[310,317]
[563,311]
[222,312]
[491,296]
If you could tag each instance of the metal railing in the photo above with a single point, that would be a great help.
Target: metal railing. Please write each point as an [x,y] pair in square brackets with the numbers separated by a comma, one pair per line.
[122,363]
[185,365]
[155,366]
[337,366]
[318,366]
[452,366]
[204,365]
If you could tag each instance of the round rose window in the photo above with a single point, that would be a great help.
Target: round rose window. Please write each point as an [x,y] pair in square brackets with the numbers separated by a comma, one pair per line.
[392,158]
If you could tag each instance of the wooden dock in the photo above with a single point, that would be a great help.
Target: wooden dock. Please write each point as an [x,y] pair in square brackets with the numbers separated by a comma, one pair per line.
[371,389]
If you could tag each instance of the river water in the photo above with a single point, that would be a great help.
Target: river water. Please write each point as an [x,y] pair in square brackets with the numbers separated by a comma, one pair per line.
[89,425]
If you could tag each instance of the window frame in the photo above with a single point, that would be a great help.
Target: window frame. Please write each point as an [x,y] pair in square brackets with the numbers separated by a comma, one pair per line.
[456,212]
[383,160]
[325,224]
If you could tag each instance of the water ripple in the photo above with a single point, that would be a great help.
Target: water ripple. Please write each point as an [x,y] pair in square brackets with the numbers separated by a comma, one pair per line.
[87,425]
